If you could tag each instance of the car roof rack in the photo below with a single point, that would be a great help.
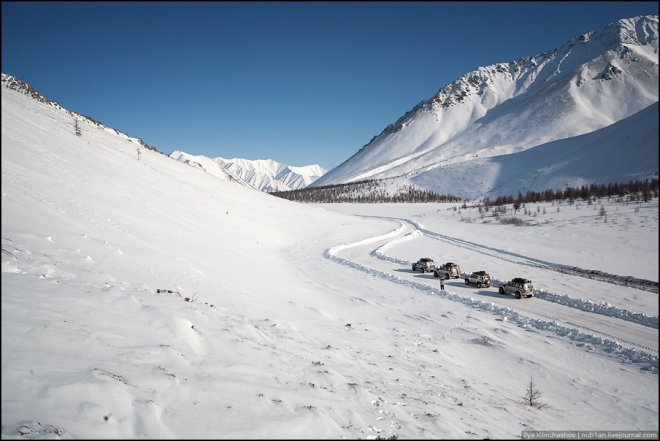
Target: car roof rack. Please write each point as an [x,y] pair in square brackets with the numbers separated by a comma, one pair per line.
[521,280]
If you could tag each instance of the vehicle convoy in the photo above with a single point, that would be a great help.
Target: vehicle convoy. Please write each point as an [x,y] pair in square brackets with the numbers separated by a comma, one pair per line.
[425,265]
[479,278]
[449,270]
[518,287]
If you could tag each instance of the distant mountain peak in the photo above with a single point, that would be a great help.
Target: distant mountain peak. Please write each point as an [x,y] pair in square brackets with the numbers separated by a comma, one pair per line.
[263,174]
[594,80]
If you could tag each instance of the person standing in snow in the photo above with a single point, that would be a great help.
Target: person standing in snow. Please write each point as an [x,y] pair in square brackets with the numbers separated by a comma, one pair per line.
[442,283]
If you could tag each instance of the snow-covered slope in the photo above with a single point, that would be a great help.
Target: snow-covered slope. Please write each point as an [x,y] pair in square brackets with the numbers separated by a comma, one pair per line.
[209,166]
[624,151]
[263,174]
[591,82]
[78,122]
[144,298]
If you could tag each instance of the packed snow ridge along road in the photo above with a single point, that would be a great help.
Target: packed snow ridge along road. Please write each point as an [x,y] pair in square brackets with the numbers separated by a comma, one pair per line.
[631,335]
[646,285]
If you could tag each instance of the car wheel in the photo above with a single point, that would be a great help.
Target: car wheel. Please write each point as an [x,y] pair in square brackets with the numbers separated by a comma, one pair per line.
[435,274]
[502,290]
[479,285]
[467,282]
[518,294]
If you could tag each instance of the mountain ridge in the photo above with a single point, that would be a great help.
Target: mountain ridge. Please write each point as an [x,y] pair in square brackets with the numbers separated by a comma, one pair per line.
[597,79]
[590,82]
[15,84]
[262,174]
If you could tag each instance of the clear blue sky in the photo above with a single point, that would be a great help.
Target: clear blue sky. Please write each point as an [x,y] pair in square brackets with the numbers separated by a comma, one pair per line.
[300,83]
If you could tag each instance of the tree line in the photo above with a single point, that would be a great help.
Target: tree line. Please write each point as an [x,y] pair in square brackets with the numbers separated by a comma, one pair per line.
[635,190]
[373,191]
[367,191]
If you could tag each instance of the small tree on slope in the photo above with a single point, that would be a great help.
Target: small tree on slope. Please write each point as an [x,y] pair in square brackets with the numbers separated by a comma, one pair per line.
[532,395]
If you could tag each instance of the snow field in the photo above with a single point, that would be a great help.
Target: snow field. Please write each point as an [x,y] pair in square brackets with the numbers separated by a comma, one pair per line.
[92,349]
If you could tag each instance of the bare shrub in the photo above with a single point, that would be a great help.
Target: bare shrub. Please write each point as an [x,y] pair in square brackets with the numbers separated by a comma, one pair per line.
[511,220]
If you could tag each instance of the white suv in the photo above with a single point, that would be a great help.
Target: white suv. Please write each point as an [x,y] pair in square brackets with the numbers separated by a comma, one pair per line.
[449,270]
[518,287]
[479,278]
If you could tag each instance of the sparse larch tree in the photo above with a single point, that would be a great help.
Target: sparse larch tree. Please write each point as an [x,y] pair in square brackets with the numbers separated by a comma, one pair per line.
[532,395]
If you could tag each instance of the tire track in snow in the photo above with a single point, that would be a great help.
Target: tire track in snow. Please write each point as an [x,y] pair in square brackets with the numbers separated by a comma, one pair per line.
[589,338]
[602,308]
[629,281]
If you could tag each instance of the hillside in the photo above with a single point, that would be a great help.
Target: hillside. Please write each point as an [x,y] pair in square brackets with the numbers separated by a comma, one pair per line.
[494,114]
[145,298]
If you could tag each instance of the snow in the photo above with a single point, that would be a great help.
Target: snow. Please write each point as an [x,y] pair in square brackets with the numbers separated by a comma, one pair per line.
[555,103]
[262,174]
[301,321]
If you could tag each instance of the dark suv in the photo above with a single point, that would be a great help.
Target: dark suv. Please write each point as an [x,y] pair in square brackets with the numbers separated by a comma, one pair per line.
[425,265]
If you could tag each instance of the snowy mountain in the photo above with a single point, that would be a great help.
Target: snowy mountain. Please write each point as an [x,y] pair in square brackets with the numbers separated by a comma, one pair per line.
[487,117]
[142,298]
[263,174]
[13,83]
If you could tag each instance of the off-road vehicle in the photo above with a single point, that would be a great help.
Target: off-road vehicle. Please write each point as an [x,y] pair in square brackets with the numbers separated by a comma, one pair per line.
[425,265]
[518,287]
[479,278]
[449,270]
